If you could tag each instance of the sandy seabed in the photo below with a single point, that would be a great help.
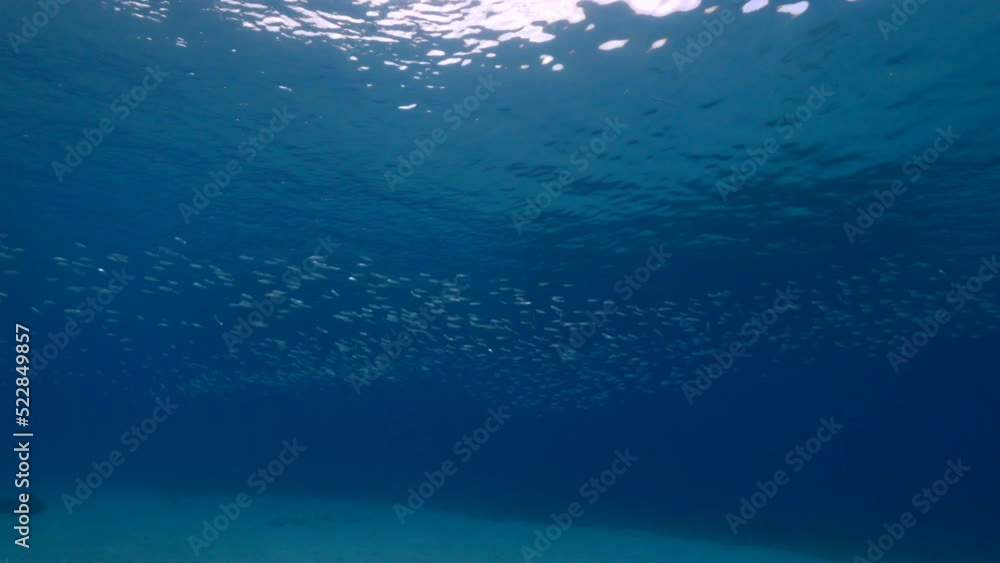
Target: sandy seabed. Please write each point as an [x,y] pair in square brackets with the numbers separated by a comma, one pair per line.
[143,526]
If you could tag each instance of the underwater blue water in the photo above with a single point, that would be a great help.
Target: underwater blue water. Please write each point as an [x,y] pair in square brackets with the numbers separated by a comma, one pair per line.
[374,227]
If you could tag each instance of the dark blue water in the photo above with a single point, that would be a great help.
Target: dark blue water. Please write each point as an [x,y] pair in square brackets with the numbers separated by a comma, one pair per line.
[591,310]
